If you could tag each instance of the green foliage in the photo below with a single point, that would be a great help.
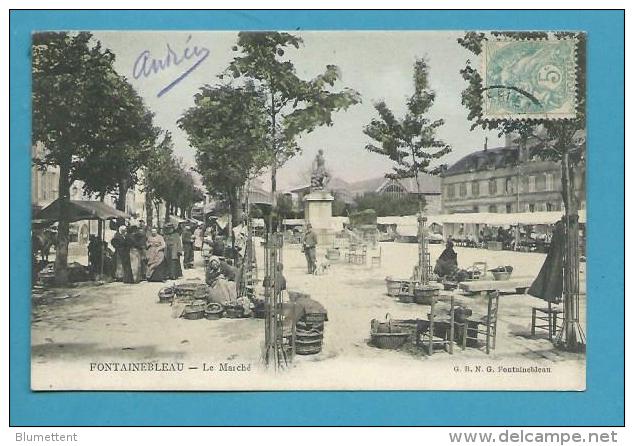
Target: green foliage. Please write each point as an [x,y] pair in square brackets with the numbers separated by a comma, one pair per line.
[294,106]
[385,205]
[89,118]
[409,142]
[285,208]
[227,127]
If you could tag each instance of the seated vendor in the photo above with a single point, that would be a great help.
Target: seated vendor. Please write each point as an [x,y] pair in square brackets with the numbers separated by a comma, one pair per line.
[447,263]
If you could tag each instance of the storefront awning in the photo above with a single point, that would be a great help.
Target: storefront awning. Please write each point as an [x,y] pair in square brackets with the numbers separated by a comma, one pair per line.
[522,218]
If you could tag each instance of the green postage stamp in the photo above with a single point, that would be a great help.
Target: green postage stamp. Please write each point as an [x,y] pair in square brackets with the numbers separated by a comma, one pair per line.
[529,79]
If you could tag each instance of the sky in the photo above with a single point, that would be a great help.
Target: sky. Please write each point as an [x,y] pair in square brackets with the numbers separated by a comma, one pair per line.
[377,64]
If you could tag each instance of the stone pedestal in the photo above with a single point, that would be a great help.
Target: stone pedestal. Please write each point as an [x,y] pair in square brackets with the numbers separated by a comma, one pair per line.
[318,212]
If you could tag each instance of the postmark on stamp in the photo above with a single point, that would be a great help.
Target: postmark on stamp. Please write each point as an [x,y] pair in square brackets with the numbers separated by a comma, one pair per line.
[529,79]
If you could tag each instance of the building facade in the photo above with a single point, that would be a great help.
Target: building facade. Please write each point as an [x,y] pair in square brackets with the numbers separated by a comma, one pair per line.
[501,180]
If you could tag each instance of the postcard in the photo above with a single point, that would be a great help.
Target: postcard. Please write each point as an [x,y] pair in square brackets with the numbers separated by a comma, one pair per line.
[308,210]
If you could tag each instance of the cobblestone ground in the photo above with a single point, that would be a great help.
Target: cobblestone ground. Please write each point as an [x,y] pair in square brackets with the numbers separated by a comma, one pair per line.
[114,322]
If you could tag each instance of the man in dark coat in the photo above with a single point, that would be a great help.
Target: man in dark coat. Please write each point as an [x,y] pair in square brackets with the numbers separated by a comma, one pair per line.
[123,268]
[173,252]
[309,245]
[188,247]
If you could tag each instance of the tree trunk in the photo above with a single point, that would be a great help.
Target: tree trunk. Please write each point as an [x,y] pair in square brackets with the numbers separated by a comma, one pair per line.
[123,193]
[234,209]
[149,212]
[63,228]
[571,255]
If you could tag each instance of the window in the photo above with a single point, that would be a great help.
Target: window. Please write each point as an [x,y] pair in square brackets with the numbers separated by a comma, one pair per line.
[463,189]
[492,208]
[540,182]
[451,192]
[475,188]
[509,208]
[550,181]
[493,188]
[531,184]
[509,185]
[549,207]
[531,207]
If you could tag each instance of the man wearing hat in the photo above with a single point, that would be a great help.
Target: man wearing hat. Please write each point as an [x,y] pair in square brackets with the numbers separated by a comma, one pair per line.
[309,245]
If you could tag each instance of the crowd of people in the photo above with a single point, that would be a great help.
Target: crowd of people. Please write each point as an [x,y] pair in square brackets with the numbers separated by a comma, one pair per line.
[138,252]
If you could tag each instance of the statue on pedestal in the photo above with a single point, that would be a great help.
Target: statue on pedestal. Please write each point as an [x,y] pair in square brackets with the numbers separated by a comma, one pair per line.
[319,176]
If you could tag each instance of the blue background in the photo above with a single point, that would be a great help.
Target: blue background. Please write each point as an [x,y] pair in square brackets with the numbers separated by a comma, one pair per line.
[601,404]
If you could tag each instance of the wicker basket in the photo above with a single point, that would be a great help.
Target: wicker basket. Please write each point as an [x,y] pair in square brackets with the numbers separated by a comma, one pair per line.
[389,340]
[234,312]
[505,275]
[166,295]
[406,298]
[309,336]
[305,326]
[194,310]
[425,295]
[393,286]
[387,335]
[214,311]
[308,347]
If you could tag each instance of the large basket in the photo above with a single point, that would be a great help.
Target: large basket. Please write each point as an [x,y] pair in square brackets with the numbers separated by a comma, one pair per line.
[393,286]
[308,347]
[306,326]
[389,340]
[234,312]
[309,336]
[214,311]
[425,295]
[194,310]
[166,295]
[388,334]
[406,298]
[505,275]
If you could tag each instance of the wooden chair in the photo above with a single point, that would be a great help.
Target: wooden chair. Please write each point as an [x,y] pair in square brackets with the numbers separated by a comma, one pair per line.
[428,333]
[359,256]
[548,316]
[486,325]
[376,260]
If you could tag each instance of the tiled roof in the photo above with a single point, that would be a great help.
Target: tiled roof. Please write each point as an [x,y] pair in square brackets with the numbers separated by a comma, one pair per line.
[485,159]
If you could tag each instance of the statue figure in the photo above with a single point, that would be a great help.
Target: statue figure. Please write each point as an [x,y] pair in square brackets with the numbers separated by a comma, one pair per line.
[319,176]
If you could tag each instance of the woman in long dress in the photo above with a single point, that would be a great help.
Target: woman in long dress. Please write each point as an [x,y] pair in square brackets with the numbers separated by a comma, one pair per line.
[156,264]
[136,254]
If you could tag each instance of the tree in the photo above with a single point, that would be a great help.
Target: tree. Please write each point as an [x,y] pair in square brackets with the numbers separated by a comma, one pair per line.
[293,106]
[71,75]
[227,127]
[410,142]
[157,175]
[561,140]
[124,144]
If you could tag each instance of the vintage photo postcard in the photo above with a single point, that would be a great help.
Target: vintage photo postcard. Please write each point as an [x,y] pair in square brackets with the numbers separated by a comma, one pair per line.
[324,210]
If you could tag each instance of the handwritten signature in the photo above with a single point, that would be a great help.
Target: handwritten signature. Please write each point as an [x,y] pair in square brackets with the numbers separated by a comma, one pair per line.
[146,66]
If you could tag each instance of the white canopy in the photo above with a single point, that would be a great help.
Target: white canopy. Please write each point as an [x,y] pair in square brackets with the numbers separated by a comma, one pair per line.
[523,218]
